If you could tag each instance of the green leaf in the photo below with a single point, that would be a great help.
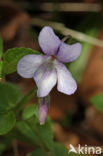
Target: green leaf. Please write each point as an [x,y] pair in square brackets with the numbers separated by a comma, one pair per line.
[36,134]
[1,47]
[46,135]
[12,56]
[7,122]
[28,112]
[97,101]
[10,95]
[2,148]
[75,154]
[28,132]
[60,150]
[38,152]
[5,141]
[44,132]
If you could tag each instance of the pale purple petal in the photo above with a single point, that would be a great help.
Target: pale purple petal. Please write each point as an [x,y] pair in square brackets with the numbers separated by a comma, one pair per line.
[48,41]
[43,108]
[45,78]
[68,53]
[43,113]
[66,83]
[29,64]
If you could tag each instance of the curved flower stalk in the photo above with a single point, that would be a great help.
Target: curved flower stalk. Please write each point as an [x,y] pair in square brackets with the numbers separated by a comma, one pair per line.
[48,69]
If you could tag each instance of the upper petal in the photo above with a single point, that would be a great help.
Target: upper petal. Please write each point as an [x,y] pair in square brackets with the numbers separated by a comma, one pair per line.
[29,64]
[45,78]
[68,53]
[66,83]
[48,41]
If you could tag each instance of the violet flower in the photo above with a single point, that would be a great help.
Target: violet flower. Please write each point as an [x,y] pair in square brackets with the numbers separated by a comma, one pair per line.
[48,69]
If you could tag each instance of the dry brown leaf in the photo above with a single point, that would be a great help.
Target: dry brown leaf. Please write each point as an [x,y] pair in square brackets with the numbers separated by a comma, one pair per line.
[65,137]
[92,84]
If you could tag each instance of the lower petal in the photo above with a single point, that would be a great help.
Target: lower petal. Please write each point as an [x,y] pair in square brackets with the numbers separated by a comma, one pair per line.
[46,78]
[66,83]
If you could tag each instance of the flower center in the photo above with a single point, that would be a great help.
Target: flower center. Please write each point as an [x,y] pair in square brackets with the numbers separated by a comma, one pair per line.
[53,57]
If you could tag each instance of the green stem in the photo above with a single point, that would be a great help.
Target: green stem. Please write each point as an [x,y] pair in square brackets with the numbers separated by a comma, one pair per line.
[1,65]
[25,99]
[65,31]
